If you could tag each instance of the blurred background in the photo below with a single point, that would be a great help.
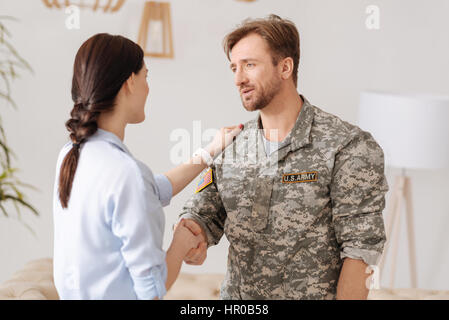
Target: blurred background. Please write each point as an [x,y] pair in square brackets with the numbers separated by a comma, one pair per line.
[342,54]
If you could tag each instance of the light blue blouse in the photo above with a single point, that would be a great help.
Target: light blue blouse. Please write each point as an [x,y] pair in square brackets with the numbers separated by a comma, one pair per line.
[108,242]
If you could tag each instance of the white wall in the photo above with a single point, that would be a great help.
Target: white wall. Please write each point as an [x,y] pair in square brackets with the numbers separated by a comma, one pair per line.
[339,58]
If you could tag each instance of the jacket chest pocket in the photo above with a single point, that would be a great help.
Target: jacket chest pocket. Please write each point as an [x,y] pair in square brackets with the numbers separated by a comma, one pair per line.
[246,196]
[299,197]
[236,192]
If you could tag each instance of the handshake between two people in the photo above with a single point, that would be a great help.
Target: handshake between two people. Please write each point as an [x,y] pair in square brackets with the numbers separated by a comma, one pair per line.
[191,239]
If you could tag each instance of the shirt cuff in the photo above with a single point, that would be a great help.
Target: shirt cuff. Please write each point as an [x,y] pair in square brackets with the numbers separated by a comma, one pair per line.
[153,285]
[165,189]
[370,257]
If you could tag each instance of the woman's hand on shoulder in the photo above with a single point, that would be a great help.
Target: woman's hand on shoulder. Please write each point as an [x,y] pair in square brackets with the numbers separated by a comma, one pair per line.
[223,138]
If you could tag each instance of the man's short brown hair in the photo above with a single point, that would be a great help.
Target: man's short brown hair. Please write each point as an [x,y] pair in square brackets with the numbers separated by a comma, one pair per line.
[280,34]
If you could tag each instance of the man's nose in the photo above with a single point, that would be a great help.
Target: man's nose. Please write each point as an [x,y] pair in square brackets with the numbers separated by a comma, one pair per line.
[240,78]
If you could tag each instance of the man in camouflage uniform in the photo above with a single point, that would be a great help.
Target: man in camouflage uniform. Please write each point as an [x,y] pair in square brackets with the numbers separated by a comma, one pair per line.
[303,218]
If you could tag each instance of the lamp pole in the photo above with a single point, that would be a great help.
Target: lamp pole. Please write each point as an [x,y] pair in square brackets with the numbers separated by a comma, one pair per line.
[402,192]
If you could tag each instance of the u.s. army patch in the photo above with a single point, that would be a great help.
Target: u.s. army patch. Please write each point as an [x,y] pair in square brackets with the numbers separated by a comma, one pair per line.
[205,180]
[300,177]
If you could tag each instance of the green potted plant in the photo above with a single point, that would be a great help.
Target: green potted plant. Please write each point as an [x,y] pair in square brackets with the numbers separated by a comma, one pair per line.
[10,186]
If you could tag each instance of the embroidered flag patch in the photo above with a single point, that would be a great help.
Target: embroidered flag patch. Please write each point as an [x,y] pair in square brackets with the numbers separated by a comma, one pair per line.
[300,177]
[206,180]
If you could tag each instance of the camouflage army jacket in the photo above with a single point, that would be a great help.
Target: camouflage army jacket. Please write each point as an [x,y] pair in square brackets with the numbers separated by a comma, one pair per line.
[292,217]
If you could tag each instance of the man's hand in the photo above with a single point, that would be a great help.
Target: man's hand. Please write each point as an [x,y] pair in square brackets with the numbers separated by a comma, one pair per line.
[196,256]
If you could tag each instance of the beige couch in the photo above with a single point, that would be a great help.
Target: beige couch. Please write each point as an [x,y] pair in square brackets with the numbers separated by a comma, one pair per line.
[35,282]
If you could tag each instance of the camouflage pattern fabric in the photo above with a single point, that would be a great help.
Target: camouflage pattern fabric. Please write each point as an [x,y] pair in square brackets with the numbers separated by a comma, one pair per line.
[293,216]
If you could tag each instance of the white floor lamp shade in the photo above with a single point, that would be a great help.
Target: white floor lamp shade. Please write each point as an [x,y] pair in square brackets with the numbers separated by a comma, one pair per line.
[413,130]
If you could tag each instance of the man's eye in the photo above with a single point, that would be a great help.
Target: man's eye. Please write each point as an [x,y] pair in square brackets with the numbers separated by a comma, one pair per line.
[233,70]
[249,65]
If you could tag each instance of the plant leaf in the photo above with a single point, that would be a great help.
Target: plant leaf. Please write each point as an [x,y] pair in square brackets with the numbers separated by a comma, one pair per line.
[8,98]
[14,52]
[10,64]
[23,203]
[4,211]
[7,151]
[5,79]
[20,184]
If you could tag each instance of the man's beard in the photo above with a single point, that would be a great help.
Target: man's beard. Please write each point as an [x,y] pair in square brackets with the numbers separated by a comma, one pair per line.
[263,98]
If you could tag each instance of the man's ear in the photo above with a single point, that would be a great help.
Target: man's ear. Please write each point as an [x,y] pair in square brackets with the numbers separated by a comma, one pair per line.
[130,83]
[286,68]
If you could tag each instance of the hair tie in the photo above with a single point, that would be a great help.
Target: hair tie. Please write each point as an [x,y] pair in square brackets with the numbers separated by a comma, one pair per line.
[76,145]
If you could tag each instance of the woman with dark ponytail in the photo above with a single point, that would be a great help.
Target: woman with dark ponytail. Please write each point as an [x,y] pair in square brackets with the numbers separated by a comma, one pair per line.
[108,217]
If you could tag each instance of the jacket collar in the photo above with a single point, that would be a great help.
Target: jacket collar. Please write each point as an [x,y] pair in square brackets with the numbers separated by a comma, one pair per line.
[300,134]
[298,137]
[103,135]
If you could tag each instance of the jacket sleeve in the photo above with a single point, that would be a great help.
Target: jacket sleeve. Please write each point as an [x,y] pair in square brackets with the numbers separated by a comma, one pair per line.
[206,208]
[138,221]
[358,190]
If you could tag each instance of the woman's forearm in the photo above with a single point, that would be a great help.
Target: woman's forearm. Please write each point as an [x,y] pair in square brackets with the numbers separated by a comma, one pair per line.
[183,174]
[174,260]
